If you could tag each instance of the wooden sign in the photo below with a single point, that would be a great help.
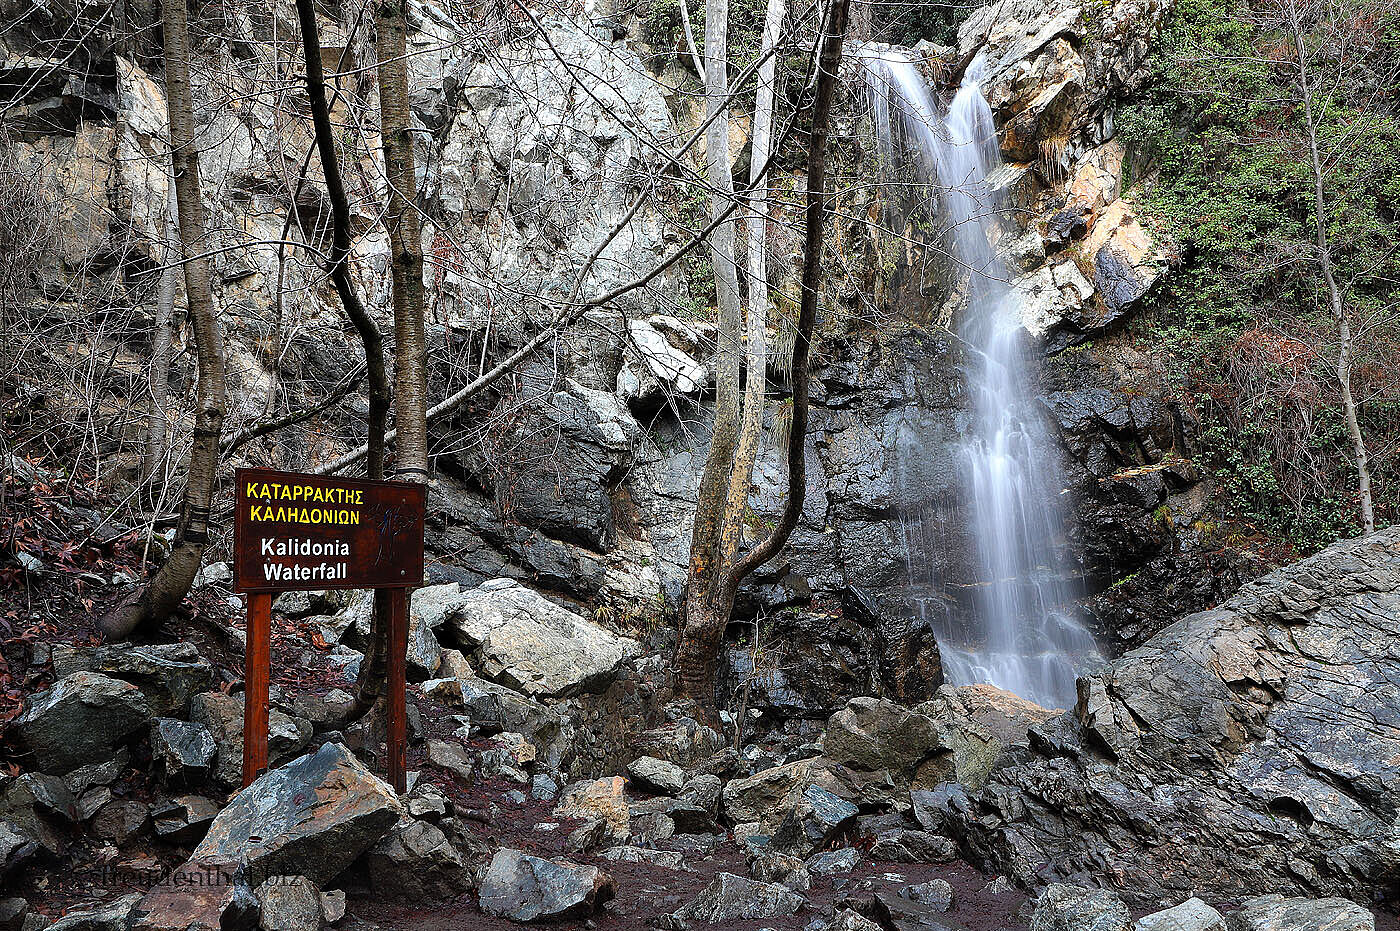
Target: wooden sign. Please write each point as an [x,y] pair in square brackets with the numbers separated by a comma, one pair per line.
[296,532]
[312,532]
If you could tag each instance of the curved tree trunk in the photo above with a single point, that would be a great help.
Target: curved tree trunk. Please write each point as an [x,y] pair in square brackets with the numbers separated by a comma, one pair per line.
[159,598]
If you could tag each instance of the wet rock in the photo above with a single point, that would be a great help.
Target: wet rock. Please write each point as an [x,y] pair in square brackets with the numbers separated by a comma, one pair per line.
[519,639]
[110,916]
[730,897]
[1073,908]
[168,674]
[183,750]
[119,821]
[653,775]
[599,798]
[415,860]
[1277,913]
[526,889]
[79,719]
[184,819]
[290,903]
[1191,915]
[311,817]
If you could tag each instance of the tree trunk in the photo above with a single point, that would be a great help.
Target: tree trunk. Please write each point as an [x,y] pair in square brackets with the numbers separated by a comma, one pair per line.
[1360,460]
[697,653]
[159,599]
[158,424]
[410,346]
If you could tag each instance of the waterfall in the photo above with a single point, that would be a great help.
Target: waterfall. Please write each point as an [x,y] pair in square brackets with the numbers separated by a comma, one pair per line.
[1023,634]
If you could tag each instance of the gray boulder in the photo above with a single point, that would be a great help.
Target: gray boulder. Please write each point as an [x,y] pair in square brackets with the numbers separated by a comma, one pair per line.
[415,860]
[813,818]
[1277,913]
[290,903]
[730,898]
[653,775]
[184,819]
[222,714]
[80,719]
[834,862]
[666,859]
[312,817]
[183,750]
[1063,907]
[525,888]
[900,845]
[1191,915]
[118,821]
[36,805]
[109,916]
[168,674]
[935,893]
[521,640]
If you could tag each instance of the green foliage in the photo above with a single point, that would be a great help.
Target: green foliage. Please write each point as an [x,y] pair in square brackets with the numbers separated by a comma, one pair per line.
[1217,143]
[663,30]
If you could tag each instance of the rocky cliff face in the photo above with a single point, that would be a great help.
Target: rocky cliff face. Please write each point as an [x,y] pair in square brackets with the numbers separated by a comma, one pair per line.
[579,476]
[1245,749]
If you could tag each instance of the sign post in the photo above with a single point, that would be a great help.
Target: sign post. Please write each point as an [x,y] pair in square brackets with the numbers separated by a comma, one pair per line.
[297,532]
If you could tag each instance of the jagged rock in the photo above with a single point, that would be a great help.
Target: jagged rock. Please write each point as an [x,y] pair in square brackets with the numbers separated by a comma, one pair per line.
[222,714]
[1073,908]
[653,775]
[333,905]
[666,859]
[450,756]
[415,860]
[427,801]
[850,920]
[769,866]
[766,796]
[35,805]
[935,893]
[1231,712]
[168,674]
[184,750]
[453,665]
[119,821]
[524,888]
[731,897]
[1277,913]
[587,837]
[184,819]
[79,719]
[1191,915]
[877,735]
[685,742]
[109,916]
[290,903]
[901,845]
[813,818]
[17,846]
[521,640]
[311,817]
[543,788]
[832,862]
[13,912]
[648,827]
[97,774]
[599,798]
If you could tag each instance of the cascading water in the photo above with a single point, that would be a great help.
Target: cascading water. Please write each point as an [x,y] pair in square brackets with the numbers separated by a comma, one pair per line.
[1023,635]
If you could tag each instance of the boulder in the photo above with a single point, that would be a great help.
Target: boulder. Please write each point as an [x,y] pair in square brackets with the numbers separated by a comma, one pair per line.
[521,640]
[13,913]
[168,674]
[1261,725]
[222,714]
[850,920]
[526,889]
[1191,915]
[901,845]
[768,866]
[1063,907]
[767,796]
[935,893]
[109,916]
[877,735]
[730,898]
[35,806]
[290,903]
[833,862]
[312,817]
[17,846]
[184,819]
[1277,913]
[653,775]
[812,818]
[666,859]
[598,798]
[79,719]
[183,750]
[120,820]
[415,860]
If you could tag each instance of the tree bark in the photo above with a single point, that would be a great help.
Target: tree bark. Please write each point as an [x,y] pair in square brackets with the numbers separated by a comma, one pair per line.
[1360,460]
[158,424]
[410,346]
[697,652]
[338,266]
[163,594]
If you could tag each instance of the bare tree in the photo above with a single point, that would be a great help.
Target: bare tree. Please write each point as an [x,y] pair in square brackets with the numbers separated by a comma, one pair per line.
[162,595]
[712,586]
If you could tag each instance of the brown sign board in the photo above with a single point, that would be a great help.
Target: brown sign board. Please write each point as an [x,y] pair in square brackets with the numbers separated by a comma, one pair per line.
[297,532]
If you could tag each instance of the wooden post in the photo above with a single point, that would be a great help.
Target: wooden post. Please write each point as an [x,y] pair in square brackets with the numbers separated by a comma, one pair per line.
[398,710]
[257,668]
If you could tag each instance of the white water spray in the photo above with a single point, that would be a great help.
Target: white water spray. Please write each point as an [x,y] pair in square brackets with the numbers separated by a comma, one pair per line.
[1024,636]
